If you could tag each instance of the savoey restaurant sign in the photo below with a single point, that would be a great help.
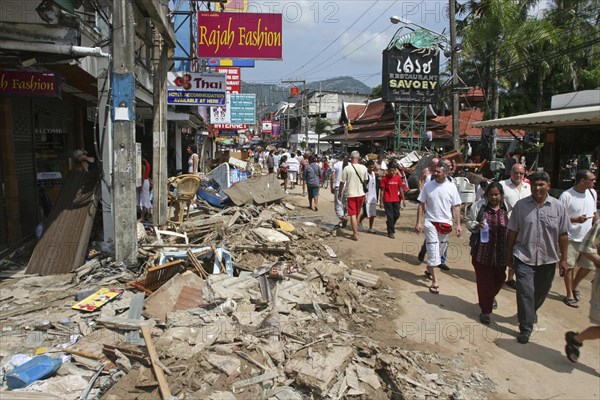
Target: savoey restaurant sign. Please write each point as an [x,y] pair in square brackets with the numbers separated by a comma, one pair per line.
[191,88]
[410,75]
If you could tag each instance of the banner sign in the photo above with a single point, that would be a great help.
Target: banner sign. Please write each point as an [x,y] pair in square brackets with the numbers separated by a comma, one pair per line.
[239,35]
[221,114]
[243,108]
[227,62]
[29,83]
[192,88]
[294,92]
[233,78]
[235,127]
[275,129]
[267,126]
[410,77]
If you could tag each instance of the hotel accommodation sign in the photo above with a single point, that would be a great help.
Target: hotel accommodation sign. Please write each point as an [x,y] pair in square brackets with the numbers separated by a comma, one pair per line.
[239,35]
[410,75]
[200,89]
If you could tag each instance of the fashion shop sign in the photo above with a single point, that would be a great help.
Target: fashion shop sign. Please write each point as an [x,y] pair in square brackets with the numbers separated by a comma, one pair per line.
[410,75]
[29,83]
[239,35]
[191,88]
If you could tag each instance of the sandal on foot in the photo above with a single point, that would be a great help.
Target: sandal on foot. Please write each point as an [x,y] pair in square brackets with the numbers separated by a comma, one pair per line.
[354,238]
[571,302]
[572,347]
[577,295]
[428,274]
[434,289]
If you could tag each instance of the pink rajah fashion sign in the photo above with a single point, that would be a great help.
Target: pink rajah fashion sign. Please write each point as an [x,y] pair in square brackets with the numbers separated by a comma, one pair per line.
[239,35]
[29,83]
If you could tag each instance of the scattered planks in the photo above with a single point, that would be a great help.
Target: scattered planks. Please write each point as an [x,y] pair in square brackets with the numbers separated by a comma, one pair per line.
[163,385]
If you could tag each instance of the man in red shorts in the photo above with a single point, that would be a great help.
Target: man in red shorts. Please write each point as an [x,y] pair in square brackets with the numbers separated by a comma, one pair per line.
[353,177]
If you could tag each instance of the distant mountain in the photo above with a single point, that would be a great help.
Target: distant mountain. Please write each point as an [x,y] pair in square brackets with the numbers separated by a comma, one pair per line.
[270,94]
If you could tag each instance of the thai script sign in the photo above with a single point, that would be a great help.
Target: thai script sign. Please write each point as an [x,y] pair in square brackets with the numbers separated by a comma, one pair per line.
[410,76]
[233,78]
[239,35]
[29,83]
[190,88]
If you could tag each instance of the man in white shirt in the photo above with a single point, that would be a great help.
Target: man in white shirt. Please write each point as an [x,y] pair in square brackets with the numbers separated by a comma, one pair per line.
[439,201]
[335,179]
[580,203]
[294,167]
[351,184]
[515,189]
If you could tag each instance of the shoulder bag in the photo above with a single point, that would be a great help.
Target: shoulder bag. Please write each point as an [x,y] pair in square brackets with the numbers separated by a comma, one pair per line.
[365,185]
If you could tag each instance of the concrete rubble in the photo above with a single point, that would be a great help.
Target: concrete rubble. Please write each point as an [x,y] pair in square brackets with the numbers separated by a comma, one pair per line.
[282,318]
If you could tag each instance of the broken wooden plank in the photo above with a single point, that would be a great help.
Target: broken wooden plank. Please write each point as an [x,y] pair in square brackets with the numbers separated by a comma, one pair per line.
[158,372]
[123,323]
[418,384]
[268,375]
[364,278]
[218,258]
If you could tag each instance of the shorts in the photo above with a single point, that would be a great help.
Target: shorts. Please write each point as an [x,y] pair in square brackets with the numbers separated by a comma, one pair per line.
[313,192]
[354,205]
[371,209]
[293,176]
[283,175]
[574,258]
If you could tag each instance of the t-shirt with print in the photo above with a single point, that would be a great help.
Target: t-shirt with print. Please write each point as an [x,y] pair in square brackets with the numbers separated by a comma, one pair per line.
[579,204]
[439,198]
[353,185]
[391,187]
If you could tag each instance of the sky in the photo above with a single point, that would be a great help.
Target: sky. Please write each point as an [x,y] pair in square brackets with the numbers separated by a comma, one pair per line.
[324,39]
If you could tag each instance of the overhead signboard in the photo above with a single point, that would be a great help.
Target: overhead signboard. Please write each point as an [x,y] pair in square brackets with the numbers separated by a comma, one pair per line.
[237,127]
[239,35]
[191,88]
[221,114]
[236,5]
[267,126]
[243,108]
[29,83]
[410,76]
[233,79]
[227,62]
[294,92]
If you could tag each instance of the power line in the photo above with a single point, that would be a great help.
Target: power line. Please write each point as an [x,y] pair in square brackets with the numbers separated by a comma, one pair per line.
[334,40]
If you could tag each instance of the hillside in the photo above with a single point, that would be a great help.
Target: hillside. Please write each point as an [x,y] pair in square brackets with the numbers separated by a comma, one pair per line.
[270,94]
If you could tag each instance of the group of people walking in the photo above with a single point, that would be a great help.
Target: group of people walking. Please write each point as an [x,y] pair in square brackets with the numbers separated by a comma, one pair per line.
[519,233]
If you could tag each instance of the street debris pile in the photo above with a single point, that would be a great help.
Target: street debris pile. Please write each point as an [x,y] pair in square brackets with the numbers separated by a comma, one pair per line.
[244,303]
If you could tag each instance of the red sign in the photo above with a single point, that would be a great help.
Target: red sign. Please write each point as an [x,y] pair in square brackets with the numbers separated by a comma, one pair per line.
[230,126]
[294,92]
[234,84]
[29,83]
[239,35]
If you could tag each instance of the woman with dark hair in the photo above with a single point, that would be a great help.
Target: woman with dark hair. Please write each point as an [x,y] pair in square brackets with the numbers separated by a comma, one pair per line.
[193,160]
[283,172]
[488,251]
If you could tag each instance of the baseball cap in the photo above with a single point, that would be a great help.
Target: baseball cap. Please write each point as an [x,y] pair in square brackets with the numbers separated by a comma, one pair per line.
[355,154]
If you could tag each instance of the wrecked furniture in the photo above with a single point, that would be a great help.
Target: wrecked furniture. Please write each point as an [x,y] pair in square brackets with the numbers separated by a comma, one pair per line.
[182,196]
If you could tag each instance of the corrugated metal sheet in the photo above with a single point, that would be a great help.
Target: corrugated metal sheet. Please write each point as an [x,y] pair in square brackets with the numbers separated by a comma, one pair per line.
[63,246]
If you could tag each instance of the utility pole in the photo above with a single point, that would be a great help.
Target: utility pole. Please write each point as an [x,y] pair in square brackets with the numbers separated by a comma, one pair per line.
[454,67]
[159,131]
[123,119]
[304,99]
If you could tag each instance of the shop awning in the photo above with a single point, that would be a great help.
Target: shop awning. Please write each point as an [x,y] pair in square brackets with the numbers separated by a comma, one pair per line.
[580,116]
[193,120]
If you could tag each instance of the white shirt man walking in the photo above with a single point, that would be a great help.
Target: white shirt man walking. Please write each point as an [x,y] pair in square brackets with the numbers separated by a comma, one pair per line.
[515,189]
[351,185]
[580,203]
[439,201]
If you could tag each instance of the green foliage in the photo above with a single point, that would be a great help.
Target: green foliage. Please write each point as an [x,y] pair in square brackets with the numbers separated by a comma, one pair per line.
[320,125]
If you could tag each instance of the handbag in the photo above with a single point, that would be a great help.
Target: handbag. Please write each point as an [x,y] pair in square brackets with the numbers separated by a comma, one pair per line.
[365,185]
[475,236]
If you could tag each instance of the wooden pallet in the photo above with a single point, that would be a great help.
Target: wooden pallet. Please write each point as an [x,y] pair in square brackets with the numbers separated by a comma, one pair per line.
[157,276]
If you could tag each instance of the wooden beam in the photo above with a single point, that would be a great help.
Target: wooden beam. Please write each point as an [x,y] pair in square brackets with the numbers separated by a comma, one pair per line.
[158,372]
